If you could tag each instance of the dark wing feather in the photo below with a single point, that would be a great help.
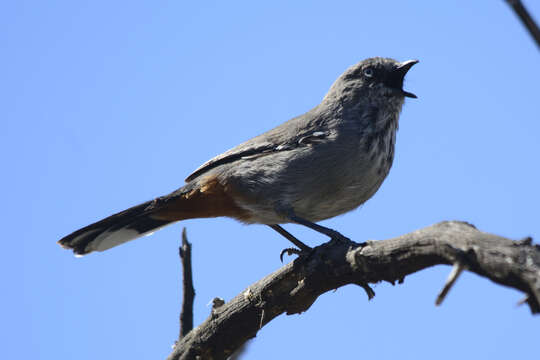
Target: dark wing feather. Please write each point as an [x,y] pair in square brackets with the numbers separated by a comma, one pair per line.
[284,137]
[228,157]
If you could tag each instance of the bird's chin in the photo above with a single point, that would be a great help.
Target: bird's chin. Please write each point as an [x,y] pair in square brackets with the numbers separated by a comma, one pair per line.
[392,93]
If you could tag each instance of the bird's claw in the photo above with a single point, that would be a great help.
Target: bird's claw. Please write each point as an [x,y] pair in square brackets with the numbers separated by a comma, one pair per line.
[290,251]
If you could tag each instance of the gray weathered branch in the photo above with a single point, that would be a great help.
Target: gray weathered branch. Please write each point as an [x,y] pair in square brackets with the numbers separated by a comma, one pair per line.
[293,288]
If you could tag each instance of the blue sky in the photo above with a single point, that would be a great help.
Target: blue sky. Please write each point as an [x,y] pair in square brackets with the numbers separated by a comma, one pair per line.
[108,104]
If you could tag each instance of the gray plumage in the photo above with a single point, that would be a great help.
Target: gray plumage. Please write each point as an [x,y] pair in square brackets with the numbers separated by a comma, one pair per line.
[327,161]
[318,165]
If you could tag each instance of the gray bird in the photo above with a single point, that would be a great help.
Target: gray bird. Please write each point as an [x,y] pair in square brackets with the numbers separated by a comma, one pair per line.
[318,165]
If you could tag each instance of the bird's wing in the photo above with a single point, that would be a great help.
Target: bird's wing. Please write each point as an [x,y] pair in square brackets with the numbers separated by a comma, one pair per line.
[292,134]
[234,154]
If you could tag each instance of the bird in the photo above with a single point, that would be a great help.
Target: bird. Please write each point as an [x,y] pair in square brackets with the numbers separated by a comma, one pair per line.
[323,163]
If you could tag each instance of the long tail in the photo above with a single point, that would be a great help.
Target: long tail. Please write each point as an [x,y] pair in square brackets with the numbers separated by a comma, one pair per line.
[196,199]
[114,230]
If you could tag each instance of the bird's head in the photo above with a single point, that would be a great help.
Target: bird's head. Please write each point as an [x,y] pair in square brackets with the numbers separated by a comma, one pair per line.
[375,79]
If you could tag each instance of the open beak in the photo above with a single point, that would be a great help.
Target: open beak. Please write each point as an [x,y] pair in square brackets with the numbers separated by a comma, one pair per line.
[399,75]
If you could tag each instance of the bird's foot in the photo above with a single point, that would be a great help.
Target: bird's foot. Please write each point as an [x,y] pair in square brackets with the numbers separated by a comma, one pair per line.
[294,251]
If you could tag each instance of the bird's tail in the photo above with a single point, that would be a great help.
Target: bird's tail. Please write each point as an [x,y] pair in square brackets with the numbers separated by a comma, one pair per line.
[197,199]
[116,229]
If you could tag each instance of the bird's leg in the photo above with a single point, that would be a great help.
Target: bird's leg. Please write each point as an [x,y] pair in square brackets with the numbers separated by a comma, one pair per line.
[290,251]
[290,215]
[332,234]
[290,237]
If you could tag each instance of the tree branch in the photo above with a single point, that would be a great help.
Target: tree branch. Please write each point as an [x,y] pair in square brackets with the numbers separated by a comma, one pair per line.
[526,19]
[293,288]
[186,315]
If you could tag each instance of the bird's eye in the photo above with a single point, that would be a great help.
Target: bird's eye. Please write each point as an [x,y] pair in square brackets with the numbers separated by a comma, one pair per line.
[369,72]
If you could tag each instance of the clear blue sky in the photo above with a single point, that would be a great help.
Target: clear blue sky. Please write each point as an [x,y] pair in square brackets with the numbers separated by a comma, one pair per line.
[108,104]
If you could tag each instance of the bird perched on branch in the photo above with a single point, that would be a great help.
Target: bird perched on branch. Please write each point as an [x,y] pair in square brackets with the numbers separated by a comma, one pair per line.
[318,165]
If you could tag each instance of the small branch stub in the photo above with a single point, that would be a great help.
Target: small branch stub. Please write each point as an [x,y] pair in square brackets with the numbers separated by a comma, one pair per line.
[457,269]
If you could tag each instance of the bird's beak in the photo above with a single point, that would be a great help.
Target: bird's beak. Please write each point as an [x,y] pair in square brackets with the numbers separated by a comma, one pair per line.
[400,72]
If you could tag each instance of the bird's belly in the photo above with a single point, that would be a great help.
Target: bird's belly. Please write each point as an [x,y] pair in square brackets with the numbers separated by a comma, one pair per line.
[315,200]
[343,198]
[335,185]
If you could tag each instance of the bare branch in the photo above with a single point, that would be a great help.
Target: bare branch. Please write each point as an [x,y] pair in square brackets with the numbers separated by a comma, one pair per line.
[526,19]
[293,288]
[186,315]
